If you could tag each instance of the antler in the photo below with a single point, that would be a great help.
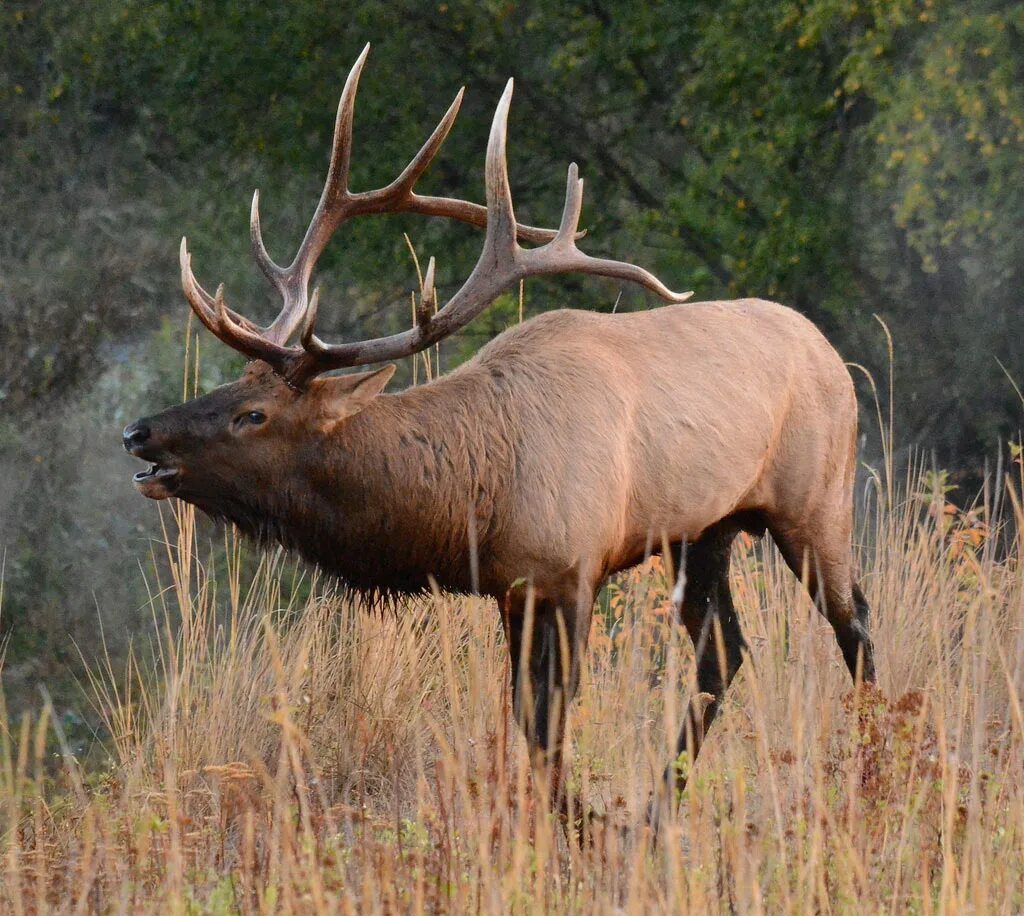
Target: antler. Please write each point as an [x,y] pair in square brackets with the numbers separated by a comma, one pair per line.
[502,261]
[337,204]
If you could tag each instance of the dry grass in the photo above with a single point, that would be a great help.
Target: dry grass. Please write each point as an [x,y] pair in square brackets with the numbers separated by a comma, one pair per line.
[330,757]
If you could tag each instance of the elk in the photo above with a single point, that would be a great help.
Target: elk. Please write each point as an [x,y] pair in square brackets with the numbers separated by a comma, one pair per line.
[557,456]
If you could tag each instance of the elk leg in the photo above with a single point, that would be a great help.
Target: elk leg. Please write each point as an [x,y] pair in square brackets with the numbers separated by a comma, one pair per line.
[827,571]
[710,618]
[545,667]
[854,638]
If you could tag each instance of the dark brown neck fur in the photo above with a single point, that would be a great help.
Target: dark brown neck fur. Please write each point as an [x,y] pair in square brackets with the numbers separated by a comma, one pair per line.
[383,503]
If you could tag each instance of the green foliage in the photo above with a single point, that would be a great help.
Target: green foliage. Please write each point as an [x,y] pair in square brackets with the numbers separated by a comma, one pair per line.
[847,157]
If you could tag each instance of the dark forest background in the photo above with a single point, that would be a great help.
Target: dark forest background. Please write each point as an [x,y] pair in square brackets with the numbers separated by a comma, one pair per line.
[852,159]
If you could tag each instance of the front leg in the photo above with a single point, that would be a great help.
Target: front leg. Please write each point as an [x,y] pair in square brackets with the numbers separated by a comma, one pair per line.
[546,641]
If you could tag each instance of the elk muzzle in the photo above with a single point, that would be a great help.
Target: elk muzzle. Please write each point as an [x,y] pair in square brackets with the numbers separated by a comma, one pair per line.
[158,481]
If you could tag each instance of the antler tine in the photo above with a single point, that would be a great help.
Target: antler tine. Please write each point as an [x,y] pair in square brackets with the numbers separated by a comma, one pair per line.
[453,208]
[428,281]
[562,255]
[200,300]
[401,188]
[578,262]
[272,271]
[500,239]
[331,211]
[572,208]
[203,304]
[473,215]
[233,329]
[333,207]
[428,296]
[308,338]
[341,152]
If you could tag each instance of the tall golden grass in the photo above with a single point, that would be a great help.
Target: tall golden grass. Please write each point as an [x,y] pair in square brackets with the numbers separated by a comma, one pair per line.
[271,754]
[271,757]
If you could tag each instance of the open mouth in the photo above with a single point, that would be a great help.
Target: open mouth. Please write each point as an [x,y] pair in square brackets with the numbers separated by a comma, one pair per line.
[157,481]
[155,472]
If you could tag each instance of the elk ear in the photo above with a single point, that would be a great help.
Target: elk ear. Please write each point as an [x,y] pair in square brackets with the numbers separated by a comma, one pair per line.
[344,396]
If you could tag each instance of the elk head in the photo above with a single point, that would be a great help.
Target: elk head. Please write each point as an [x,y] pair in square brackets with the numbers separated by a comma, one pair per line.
[240,438]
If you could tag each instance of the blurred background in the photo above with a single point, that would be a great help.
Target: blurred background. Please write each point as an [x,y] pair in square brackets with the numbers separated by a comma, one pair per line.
[851,159]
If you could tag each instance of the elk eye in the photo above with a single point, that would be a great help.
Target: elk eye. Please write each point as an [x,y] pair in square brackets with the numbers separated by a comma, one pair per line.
[255,417]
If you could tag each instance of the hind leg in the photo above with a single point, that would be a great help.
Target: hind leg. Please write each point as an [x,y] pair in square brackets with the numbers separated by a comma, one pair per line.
[862,615]
[820,555]
[710,618]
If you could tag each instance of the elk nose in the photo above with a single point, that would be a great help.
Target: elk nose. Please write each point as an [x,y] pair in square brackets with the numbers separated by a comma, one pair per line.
[135,435]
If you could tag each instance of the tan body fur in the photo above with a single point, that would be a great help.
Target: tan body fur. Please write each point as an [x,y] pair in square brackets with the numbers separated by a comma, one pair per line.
[584,440]
[628,429]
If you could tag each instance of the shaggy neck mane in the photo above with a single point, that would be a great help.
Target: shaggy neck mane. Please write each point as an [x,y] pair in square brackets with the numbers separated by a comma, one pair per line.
[386,502]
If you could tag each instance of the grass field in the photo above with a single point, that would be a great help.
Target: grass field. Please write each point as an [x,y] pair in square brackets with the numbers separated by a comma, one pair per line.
[272,756]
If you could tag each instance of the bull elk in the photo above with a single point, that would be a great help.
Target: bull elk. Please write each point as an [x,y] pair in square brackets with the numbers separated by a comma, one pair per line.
[536,470]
